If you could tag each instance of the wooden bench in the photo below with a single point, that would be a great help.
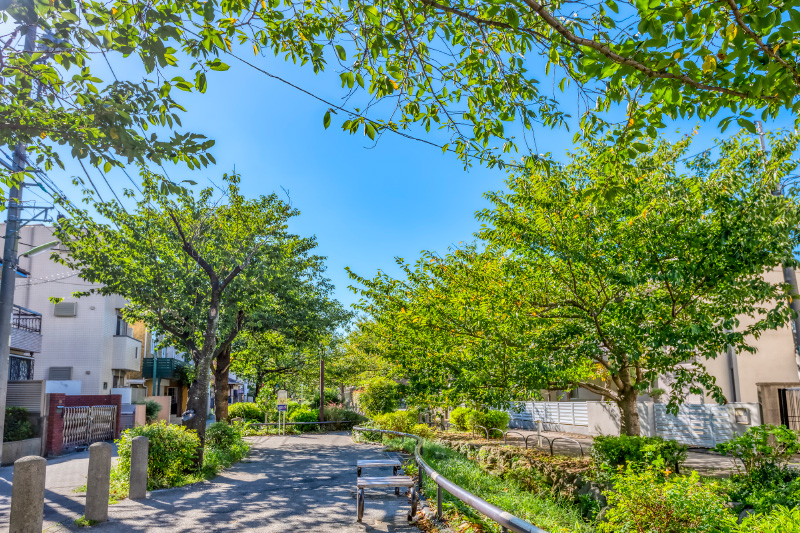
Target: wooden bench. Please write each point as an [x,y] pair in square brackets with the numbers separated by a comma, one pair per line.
[394,463]
[388,481]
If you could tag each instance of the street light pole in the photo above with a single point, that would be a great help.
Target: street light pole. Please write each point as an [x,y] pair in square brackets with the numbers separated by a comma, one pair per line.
[322,384]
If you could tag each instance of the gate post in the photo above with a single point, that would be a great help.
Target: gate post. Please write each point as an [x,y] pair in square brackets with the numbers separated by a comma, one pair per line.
[98,481]
[27,495]
[138,479]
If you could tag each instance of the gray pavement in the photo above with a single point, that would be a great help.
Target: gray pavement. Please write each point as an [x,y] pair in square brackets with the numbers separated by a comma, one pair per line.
[302,483]
[64,475]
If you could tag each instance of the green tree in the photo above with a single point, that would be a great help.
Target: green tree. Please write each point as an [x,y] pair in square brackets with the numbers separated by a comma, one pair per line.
[180,261]
[569,287]
[380,395]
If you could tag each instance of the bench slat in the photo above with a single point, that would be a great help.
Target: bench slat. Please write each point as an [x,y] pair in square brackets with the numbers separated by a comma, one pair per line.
[379,462]
[388,481]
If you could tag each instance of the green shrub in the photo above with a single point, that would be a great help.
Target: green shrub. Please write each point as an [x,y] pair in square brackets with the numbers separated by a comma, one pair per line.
[247,411]
[171,453]
[331,397]
[224,446]
[151,410]
[610,452]
[782,520]
[762,447]
[380,395]
[766,488]
[340,413]
[401,421]
[304,414]
[17,426]
[644,500]
[458,418]
[422,430]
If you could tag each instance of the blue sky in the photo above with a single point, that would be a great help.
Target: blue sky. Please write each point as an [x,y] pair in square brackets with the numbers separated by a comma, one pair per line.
[366,203]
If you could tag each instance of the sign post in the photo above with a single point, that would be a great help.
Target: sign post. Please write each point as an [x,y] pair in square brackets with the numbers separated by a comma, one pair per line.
[283,406]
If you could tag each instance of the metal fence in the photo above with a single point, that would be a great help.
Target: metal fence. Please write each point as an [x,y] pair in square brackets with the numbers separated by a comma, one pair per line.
[563,413]
[85,425]
[507,521]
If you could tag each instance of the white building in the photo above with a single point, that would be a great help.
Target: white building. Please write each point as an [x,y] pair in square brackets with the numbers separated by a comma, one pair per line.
[84,340]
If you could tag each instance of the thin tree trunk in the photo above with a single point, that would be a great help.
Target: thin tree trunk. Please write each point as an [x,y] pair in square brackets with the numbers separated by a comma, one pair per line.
[629,414]
[221,372]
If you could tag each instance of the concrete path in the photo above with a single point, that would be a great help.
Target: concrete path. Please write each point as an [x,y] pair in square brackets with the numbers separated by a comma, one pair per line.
[64,474]
[303,483]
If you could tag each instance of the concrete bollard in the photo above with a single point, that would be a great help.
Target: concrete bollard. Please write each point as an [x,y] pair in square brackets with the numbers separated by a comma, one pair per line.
[138,479]
[539,432]
[97,482]
[27,495]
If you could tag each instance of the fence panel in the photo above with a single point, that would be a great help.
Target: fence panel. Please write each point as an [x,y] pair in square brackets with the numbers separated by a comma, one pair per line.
[702,425]
[566,413]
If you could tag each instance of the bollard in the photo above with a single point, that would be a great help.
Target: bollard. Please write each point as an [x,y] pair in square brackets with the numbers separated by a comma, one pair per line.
[27,495]
[539,431]
[97,482]
[438,501]
[138,479]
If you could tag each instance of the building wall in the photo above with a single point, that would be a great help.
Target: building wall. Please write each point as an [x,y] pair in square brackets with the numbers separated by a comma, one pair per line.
[84,342]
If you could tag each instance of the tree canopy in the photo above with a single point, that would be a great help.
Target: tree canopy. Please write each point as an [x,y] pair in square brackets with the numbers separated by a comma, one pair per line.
[567,287]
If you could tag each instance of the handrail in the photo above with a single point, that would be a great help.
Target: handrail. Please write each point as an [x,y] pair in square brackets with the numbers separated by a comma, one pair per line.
[483,428]
[302,423]
[506,520]
[567,439]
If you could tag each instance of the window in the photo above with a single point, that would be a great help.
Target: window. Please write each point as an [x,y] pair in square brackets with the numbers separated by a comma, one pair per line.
[20,368]
[122,327]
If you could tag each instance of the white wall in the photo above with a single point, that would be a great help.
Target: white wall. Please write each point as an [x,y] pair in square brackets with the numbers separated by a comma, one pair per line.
[86,341]
[68,387]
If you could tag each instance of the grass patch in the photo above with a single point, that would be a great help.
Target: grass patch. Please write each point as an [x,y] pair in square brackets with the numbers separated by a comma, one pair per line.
[537,507]
[84,522]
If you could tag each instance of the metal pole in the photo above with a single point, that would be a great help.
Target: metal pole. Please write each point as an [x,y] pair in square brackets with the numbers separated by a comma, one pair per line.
[8,281]
[438,502]
[539,432]
[789,276]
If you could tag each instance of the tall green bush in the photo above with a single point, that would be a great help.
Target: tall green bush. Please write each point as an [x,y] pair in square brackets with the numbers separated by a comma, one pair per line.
[610,452]
[331,397]
[247,411]
[380,395]
[782,520]
[465,418]
[339,413]
[458,417]
[17,425]
[402,421]
[224,446]
[304,414]
[171,453]
[762,447]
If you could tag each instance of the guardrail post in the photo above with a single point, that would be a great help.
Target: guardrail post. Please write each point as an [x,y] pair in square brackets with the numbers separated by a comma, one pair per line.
[27,495]
[98,481]
[138,479]
[438,502]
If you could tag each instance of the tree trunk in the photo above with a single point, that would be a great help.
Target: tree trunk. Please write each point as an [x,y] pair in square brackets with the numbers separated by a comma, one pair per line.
[629,414]
[221,372]
[198,402]
[341,392]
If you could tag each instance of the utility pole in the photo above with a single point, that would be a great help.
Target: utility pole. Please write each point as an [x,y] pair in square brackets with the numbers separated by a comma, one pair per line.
[789,276]
[322,384]
[9,279]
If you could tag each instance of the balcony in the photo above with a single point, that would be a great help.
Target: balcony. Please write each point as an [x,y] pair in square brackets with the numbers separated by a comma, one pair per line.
[168,368]
[26,330]
[126,352]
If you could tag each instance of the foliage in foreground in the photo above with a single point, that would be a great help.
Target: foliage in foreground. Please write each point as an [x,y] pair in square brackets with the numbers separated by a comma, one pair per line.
[380,395]
[247,411]
[465,418]
[171,453]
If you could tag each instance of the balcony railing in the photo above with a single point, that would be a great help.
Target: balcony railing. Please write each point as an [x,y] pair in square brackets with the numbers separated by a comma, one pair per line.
[167,367]
[26,319]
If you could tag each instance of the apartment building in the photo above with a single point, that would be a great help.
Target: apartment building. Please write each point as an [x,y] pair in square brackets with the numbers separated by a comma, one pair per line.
[86,345]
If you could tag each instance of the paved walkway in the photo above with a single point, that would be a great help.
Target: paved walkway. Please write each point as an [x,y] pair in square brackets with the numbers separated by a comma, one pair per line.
[64,474]
[303,483]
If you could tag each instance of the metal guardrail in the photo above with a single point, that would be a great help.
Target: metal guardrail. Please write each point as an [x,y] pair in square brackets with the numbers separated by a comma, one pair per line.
[302,423]
[507,521]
